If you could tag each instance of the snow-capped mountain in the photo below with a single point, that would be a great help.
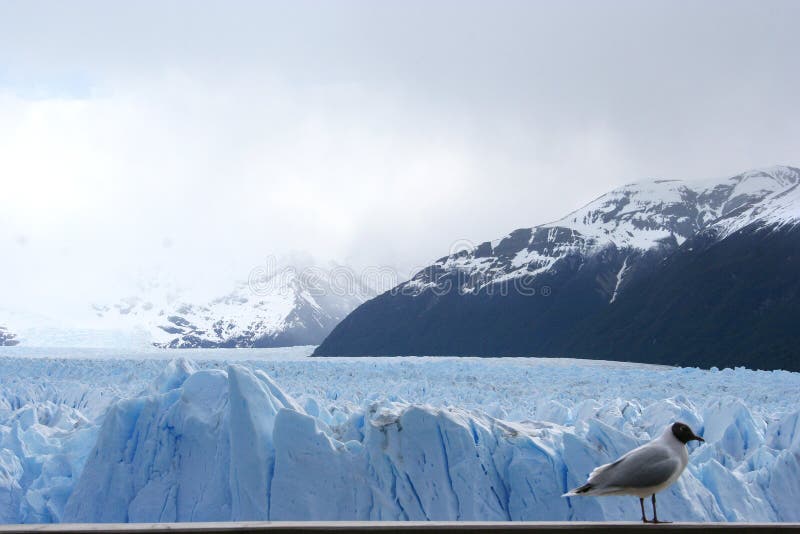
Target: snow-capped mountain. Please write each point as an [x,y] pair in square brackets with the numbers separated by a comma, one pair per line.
[636,218]
[286,308]
[541,290]
[7,338]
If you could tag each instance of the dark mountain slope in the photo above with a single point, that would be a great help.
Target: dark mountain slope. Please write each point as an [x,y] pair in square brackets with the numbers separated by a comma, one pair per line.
[734,302]
[673,272]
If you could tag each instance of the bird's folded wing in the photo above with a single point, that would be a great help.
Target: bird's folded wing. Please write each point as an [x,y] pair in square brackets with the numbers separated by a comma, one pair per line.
[641,468]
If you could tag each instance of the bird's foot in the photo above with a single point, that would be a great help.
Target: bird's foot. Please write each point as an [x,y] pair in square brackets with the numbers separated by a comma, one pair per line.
[657,521]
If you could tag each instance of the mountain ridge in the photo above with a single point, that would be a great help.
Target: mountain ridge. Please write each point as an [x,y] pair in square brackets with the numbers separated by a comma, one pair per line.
[672,221]
[576,269]
[287,307]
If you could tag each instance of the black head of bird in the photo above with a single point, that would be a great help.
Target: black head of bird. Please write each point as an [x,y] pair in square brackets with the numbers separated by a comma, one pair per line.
[684,434]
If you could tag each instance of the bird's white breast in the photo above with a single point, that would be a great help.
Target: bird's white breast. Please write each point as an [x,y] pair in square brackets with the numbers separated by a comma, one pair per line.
[679,450]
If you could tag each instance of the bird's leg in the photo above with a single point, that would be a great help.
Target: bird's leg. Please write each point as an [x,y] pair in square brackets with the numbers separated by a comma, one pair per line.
[641,503]
[655,513]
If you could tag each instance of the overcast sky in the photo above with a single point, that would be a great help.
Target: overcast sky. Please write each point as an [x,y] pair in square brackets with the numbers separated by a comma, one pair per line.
[203,137]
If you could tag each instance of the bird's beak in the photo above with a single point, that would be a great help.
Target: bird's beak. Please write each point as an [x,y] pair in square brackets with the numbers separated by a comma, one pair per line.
[698,438]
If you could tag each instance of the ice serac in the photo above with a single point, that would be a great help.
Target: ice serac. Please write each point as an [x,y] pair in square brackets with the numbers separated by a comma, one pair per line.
[255,402]
[669,271]
[10,490]
[42,448]
[201,450]
[232,445]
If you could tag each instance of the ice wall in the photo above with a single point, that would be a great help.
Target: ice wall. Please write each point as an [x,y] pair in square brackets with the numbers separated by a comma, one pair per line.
[230,445]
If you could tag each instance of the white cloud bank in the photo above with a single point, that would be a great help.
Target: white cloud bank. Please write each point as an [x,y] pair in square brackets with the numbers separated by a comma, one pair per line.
[201,138]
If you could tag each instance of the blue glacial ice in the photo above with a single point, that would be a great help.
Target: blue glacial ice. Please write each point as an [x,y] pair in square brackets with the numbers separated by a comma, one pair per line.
[384,439]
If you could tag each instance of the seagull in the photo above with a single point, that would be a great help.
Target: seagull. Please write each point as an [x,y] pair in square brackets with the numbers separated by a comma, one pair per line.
[644,471]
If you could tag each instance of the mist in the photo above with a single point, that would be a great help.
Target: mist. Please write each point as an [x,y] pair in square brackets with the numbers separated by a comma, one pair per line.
[194,141]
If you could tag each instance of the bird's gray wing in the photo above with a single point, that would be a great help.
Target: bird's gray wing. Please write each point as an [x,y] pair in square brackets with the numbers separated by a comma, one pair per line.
[641,468]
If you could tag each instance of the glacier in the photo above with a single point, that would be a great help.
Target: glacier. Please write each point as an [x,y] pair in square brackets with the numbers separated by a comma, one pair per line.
[277,435]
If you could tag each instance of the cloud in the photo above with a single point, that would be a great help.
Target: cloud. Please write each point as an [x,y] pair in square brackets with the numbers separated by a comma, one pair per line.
[201,138]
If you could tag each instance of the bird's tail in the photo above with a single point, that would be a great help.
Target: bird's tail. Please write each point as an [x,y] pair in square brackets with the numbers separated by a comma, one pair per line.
[583,490]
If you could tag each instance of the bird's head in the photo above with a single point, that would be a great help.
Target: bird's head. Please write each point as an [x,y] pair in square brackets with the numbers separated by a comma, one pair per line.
[684,434]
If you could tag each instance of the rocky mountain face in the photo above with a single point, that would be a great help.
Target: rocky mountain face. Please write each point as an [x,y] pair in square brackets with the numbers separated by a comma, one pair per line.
[7,338]
[668,271]
[290,307]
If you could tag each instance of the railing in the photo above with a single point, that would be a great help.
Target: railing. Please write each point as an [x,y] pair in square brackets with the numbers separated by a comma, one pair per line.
[384,527]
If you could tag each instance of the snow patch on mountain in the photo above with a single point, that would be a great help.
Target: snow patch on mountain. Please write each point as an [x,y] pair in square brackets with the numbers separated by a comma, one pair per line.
[620,277]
